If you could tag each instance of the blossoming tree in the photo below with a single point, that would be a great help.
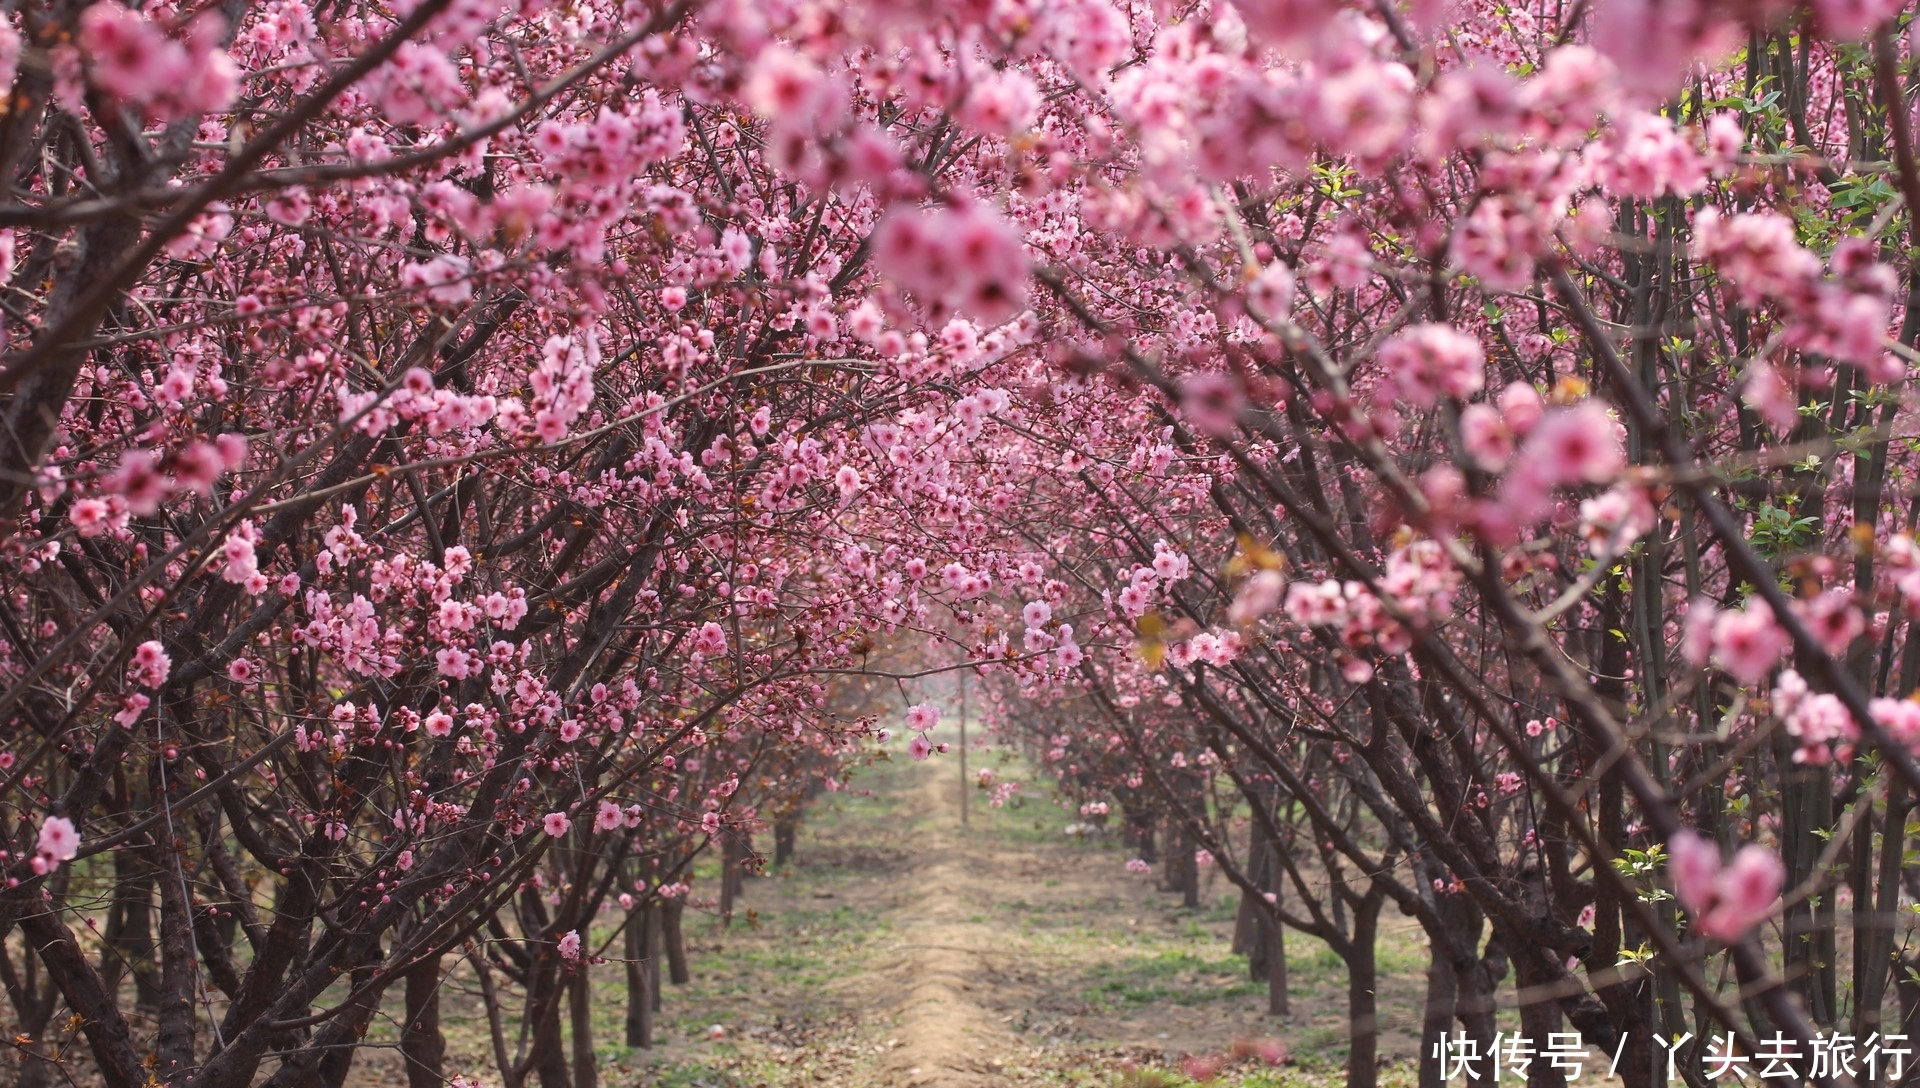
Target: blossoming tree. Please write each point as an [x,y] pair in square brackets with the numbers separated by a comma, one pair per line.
[450,447]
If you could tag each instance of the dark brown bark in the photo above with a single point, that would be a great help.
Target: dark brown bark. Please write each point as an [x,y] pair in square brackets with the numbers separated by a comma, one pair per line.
[675,940]
[786,833]
[1436,1023]
[106,1030]
[179,970]
[422,1045]
[1363,1021]
[586,1071]
[34,1002]
[638,964]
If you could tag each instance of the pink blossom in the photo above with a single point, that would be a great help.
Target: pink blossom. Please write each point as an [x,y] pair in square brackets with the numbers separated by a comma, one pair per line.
[1852,20]
[847,481]
[919,748]
[151,665]
[569,946]
[1271,293]
[556,824]
[1581,444]
[1002,103]
[922,717]
[1748,643]
[1486,437]
[1036,613]
[438,724]
[965,259]
[1430,361]
[1769,393]
[58,839]
[1833,619]
[608,817]
[240,670]
[90,516]
[1258,597]
[1726,902]
[710,640]
[1613,521]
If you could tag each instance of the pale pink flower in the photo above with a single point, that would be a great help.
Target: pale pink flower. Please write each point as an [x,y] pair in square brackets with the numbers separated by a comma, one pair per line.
[90,516]
[151,665]
[570,945]
[1271,293]
[1258,597]
[556,824]
[919,748]
[1486,437]
[1769,393]
[922,717]
[1692,861]
[1430,361]
[608,817]
[1581,444]
[58,839]
[710,640]
[240,670]
[1748,643]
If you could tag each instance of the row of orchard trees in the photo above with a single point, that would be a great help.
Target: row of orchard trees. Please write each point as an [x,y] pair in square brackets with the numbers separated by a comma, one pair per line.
[450,451]
[428,477]
[1497,507]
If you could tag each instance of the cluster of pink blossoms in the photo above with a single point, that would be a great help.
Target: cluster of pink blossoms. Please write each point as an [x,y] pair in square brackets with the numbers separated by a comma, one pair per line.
[131,59]
[1726,901]
[1843,314]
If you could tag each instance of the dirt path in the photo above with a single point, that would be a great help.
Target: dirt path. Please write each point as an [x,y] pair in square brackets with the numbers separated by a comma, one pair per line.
[945,970]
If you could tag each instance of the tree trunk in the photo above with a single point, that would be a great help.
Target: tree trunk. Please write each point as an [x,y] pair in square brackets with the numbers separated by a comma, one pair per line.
[729,877]
[1140,827]
[656,942]
[33,1006]
[132,936]
[639,985]
[422,1046]
[586,1071]
[1443,990]
[544,988]
[675,941]
[1183,875]
[1875,918]
[1906,970]
[785,833]
[334,1065]
[1277,1001]
[1363,1020]
[1539,1018]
